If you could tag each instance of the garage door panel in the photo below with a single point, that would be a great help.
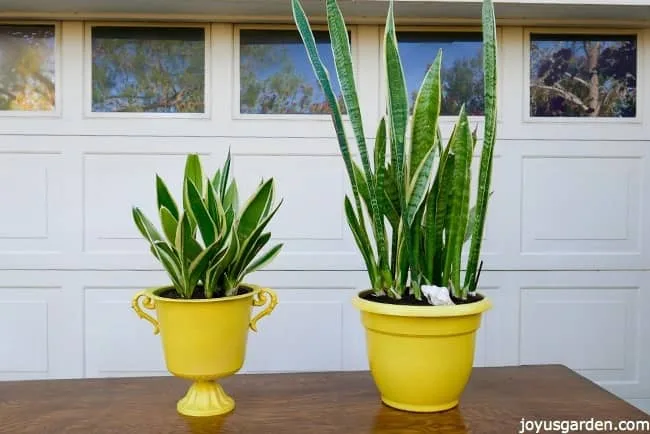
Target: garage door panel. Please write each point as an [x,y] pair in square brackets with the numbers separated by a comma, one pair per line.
[24,335]
[493,236]
[113,183]
[593,205]
[31,189]
[40,326]
[597,327]
[581,205]
[309,211]
[287,339]
[117,342]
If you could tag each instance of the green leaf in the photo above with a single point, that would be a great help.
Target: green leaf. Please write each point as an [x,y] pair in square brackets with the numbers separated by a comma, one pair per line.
[459,206]
[442,221]
[169,223]
[146,228]
[225,177]
[425,115]
[435,217]
[183,232]
[364,191]
[231,199]
[345,72]
[211,275]
[391,196]
[170,261]
[246,254]
[397,101]
[254,209]
[220,266]
[361,238]
[401,274]
[264,260]
[419,184]
[164,198]
[217,213]
[380,147]
[194,171]
[489,139]
[309,42]
[250,250]
[200,263]
[470,224]
[200,214]
[216,181]
[416,259]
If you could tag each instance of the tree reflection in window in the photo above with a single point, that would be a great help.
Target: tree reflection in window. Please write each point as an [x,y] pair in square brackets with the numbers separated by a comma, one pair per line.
[462,67]
[583,75]
[275,76]
[148,69]
[27,68]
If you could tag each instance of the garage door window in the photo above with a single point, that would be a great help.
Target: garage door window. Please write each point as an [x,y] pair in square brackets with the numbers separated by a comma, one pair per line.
[148,69]
[27,68]
[583,75]
[462,67]
[275,76]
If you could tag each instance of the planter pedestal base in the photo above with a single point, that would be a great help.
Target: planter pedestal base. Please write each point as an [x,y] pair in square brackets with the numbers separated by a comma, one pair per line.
[419,408]
[205,398]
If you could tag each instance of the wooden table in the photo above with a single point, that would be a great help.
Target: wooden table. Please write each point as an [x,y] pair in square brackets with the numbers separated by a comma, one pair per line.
[495,401]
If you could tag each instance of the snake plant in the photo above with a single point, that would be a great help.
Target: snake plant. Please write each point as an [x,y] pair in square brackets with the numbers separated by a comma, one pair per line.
[231,237]
[410,211]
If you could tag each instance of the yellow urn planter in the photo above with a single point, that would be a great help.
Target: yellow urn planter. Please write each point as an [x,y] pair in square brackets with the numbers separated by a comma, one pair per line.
[204,340]
[420,357]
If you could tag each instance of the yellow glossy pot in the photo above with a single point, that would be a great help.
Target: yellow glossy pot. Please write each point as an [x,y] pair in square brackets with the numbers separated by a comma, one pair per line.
[204,340]
[420,357]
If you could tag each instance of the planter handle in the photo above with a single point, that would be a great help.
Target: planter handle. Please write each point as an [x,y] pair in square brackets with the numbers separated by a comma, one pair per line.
[261,300]
[148,303]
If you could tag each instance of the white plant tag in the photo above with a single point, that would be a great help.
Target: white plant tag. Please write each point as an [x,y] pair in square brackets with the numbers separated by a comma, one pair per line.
[437,295]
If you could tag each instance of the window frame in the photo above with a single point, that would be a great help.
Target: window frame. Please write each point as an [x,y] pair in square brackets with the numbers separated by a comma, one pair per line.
[444,119]
[88,113]
[236,88]
[58,99]
[578,120]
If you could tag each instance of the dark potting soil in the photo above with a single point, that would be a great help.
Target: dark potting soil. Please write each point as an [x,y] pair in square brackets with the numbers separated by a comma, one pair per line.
[198,293]
[410,300]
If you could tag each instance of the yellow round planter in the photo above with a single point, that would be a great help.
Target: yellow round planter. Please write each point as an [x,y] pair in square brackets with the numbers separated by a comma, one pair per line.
[204,340]
[420,357]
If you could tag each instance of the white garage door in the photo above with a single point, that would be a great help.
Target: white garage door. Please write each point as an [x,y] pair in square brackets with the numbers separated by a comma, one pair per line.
[91,111]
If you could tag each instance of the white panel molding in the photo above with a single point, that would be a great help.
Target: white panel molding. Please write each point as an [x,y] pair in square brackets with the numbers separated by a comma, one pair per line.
[114,344]
[41,320]
[621,169]
[598,327]
[586,218]
[33,223]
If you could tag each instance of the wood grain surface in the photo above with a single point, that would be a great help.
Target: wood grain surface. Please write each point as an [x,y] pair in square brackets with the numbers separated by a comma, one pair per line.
[495,401]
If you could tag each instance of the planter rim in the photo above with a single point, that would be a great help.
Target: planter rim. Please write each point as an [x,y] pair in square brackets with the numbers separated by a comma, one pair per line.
[421,311]
[154,291]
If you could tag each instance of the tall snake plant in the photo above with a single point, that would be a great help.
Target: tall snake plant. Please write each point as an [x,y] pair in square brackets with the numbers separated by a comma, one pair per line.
[414,203]
[232,236]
